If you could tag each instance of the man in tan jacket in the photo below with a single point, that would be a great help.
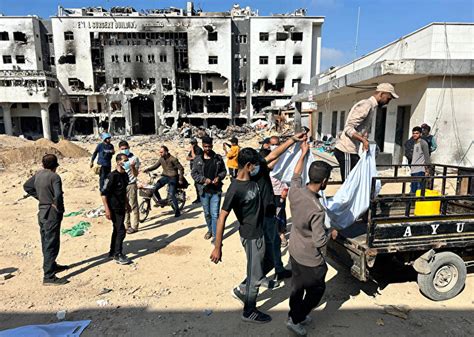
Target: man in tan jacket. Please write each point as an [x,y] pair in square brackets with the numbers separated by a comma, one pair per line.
[357,127]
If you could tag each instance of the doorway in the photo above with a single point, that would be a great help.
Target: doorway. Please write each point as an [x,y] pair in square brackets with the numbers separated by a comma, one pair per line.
[401,132]
[380,120]
[143,115]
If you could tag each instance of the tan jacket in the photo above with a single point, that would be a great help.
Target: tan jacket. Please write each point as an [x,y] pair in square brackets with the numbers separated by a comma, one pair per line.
[359,120]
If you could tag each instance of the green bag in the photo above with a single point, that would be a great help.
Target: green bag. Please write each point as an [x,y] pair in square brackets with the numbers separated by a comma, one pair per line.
[74,213]
[78,229]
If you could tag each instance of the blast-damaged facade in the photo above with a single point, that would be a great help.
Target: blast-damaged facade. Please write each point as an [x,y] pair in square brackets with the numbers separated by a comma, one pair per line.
[135,72]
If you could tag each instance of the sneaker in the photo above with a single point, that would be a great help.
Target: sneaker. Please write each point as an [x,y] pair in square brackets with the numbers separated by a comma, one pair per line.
[59,268]
[284,274]
[54,281]
[177,214]
[208,236]
[237,294]
[122,259]
[298,329]
[256,316]
[307,321]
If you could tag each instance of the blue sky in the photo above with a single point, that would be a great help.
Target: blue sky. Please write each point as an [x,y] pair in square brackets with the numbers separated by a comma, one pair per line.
[381,21]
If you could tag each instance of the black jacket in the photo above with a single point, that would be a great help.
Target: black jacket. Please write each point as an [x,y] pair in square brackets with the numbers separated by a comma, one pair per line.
[198,171]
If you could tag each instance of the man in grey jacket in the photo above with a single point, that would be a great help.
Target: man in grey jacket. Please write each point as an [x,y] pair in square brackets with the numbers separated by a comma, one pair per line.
[208,172]
[308,237]
[420,163]
[46,186]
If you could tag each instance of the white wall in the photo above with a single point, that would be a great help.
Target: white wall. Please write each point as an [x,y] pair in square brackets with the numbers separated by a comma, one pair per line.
[288,48]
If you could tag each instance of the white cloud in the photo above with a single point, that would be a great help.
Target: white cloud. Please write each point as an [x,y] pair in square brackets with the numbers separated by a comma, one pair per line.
[333,57]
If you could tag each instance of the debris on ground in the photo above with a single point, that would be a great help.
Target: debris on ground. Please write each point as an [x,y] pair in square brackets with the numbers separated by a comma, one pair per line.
[96,212]
[102,303]
[78,229]
[6,276]
[380,322]
[400,311]
[104,291]
[61,314]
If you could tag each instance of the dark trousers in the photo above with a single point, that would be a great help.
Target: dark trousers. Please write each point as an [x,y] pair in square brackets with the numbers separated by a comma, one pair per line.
[347,161]
[233,173]
[103,173]
[416,185]
[280,217]
[50,228]
[172,182]
[307,289]
[272,246]
[118,233]
[255,252]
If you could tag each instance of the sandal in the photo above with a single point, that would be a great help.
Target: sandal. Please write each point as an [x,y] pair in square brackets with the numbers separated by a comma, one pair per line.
[131,231]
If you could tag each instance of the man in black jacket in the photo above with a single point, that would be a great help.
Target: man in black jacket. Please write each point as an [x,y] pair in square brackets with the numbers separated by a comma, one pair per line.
[46,186]
[208,172]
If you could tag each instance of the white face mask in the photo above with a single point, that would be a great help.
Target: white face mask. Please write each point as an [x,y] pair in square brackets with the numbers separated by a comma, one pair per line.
[255,171]
[273,147]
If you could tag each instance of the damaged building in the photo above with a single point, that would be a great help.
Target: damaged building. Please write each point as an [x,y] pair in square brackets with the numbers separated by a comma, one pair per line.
[138,72]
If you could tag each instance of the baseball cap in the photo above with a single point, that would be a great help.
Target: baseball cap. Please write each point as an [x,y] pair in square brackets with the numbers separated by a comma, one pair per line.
[106,135]
[387,87]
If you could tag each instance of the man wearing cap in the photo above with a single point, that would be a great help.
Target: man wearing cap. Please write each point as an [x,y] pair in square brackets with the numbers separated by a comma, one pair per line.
[430,139]
[46,187]
[104,152]
[232,155]
[194,151]
[357,127]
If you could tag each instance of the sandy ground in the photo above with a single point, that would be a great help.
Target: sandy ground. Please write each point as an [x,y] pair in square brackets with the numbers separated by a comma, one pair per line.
[172,288]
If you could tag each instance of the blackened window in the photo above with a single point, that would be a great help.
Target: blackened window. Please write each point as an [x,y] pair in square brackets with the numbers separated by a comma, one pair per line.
[297,36]
[282,36]
[7,59]
[126,57]
[163,58]
[68,36]
[280,60]
[212,59]
[295,81]
[116,80]
[264,36]
[297,59]
[242,39]
[263,59]
[151,80]
[212,36]
[151,58]
[139,58]
[4,36]
[20,59]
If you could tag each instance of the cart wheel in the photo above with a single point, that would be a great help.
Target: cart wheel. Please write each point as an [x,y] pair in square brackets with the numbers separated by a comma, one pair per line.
[144,210]
[446,279]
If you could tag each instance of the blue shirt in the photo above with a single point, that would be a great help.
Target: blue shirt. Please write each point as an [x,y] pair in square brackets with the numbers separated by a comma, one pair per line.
[105,153]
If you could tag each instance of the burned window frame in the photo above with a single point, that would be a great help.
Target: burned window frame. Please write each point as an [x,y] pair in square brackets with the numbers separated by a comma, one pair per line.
[163,58]
[297,59]
[20,59]
[68,35]
[281,36]
[213,60]
[294,36]
[20,37]
[3,35]
[280,59]
[7,59]
[212,36]
[295,81]
[263,60]
[264,36]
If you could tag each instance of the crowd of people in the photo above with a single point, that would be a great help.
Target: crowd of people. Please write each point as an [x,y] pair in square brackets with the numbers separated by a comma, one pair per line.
[257,199]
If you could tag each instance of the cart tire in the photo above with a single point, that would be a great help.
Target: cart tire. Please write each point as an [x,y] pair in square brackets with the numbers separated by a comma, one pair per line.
[446,279]
[144,210]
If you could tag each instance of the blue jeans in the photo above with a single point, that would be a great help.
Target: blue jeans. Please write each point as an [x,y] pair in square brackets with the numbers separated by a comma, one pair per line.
[272,257]
[211,203]
[416,185]
[172,182]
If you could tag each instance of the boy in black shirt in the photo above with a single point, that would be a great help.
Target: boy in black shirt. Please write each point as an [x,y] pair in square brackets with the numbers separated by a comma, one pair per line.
[114,197]
[243,196]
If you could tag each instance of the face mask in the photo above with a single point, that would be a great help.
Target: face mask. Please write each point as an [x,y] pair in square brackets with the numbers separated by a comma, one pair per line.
[126,165]
[273,147]
[255,171]
[126,152]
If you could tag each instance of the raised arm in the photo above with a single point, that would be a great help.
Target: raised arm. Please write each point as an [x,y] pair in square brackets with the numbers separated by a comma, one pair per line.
[275,154]
[153,167]
[300,164]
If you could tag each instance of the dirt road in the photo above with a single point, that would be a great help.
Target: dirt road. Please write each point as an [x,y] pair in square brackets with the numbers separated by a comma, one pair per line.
[172,289]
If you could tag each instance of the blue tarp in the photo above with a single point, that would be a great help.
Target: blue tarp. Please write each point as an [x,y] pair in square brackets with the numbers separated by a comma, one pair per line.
[61,329]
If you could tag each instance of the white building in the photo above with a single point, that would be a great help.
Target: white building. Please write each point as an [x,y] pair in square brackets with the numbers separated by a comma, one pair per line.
[133,72]
[28,88]
[433,72]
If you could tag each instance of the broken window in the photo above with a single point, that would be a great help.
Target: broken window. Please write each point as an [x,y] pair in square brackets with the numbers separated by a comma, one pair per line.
[68,36]
[139,58]
[116,80]
[297,59]
[128,82]
[126,57]
[297,36]
[67,59]
[212,36]
[4,36]
[7,59]
[264,36]
[20,58]
[151,58]
[166,83]
[19,36]
[295,81]
[73,82]
[280,60]
[212,59]
[263,59]
[282,36]
[5,83]
[163,58]
[115,58]
[49,38]
[242,39]
[209,86]
[279,84]
[140,81]
[151,80]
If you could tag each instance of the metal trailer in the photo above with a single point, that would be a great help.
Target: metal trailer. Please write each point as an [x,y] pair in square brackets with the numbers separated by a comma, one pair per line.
[438,247]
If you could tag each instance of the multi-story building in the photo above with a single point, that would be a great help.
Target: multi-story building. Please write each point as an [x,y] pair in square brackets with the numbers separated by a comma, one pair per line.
[433,72]
[134,72]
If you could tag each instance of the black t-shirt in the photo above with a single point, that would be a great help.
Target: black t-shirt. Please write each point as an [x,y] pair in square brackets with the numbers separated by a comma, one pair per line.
[197,151]
[266,188]
[210,171]
[244,198]
[115,189]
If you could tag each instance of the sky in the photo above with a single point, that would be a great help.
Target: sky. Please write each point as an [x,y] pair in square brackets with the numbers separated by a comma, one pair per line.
[381,21]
